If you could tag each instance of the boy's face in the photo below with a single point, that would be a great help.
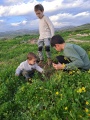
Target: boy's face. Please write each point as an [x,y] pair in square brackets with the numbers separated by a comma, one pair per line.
[39,14]
[57,47]
[32,62]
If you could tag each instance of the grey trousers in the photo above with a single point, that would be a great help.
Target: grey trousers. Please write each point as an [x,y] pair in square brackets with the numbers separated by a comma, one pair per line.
[41,43]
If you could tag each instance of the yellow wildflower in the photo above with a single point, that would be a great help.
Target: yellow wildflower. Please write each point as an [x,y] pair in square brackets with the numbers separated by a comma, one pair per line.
[80,90]
[86,110]
[63,65]
[80,116]
[87,103]
[73,71]
[83,88]
[57,93]
[70,73]
[66,108]
[89,115]
[40,88]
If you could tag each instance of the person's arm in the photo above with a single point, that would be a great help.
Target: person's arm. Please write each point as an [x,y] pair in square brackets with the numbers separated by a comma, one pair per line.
[38,68]
[73,55]
[49,23]
[19,69]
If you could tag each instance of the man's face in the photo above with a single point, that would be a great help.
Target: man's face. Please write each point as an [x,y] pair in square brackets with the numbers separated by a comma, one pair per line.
[32,62]
[39,14]
[58,47]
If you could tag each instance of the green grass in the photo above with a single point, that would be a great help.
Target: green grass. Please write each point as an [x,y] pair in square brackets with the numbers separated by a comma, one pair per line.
[62,96]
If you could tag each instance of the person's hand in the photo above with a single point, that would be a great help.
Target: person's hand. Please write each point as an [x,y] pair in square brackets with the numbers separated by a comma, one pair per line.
[16,74]
[43,73]
[58,66]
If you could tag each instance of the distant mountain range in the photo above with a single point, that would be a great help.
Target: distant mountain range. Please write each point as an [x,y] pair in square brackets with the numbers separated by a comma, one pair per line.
[71,28]
[11,34]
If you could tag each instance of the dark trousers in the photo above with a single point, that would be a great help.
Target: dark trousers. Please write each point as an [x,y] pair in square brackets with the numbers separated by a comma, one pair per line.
[62,59]
[27,74]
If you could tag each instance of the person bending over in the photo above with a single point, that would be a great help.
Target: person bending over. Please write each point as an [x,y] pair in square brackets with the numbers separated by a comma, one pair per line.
[73,56]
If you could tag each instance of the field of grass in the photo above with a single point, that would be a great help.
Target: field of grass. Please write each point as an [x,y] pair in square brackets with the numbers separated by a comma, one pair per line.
[61,96]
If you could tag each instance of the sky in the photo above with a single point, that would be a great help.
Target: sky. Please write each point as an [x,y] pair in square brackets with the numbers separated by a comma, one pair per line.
[19,14]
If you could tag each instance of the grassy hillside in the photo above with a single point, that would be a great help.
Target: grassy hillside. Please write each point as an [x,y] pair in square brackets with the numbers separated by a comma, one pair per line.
[11,34]
[61,96]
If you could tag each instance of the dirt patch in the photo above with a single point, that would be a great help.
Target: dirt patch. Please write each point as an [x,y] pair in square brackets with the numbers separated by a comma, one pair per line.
[75,40]
[2,63]
[48,72]
[33,41]
[83,34]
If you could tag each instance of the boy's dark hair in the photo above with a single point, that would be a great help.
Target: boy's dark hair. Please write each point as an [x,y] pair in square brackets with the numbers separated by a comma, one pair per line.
[38,7]
[56,39]
[31,56]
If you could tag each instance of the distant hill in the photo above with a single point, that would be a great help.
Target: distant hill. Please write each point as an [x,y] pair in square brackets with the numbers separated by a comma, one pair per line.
[84,26]
[64,28]
[11,34]
[81,27]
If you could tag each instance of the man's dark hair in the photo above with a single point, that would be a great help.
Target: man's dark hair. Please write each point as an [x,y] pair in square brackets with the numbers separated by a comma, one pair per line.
[56,39]
[31,56]
[38,7]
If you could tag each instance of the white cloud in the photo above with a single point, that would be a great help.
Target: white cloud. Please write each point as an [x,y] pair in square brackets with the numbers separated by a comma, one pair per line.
[15,24]
[3,10]
[65,19]
[1,21]
[52,6]
[34,23]
[61,5]
[23,8]
[60,24]
[77,3]
[25,25]
[13,2]
[61,16]
[69,16]
[83,14]
[61,12]
[19,9]
[19,23]
[24,22]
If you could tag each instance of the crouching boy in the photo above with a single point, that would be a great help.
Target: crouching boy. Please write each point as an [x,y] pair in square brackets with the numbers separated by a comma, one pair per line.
[73,55]
[28,67]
